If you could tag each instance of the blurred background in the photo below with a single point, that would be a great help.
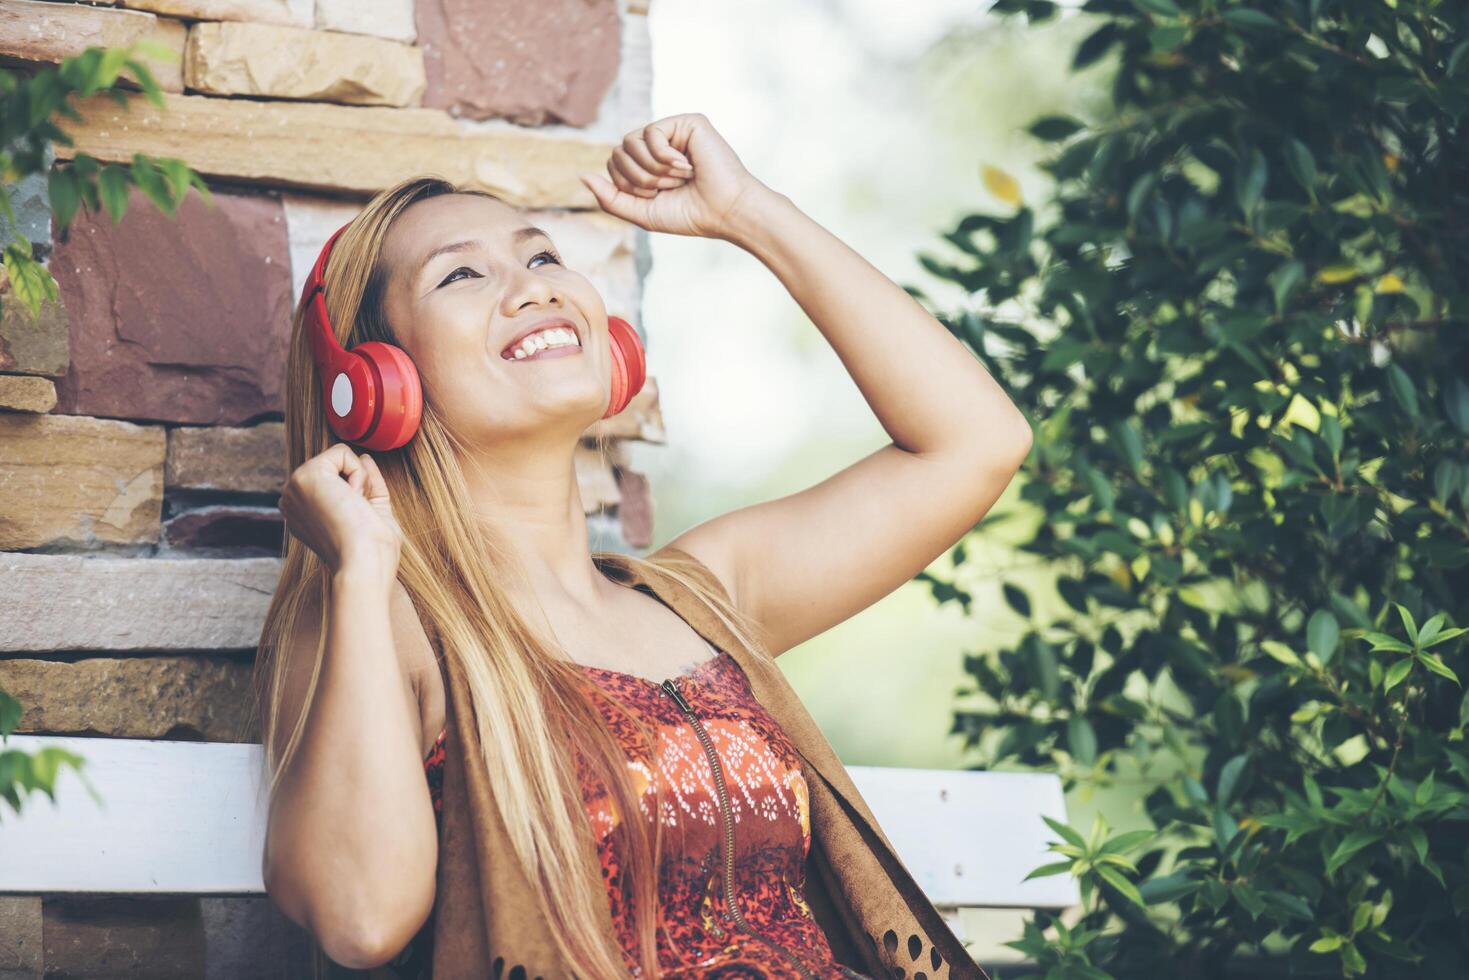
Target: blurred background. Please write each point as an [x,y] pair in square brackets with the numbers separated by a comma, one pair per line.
[877,120]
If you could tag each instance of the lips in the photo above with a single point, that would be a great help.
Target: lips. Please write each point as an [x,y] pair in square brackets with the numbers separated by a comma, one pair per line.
[555,321]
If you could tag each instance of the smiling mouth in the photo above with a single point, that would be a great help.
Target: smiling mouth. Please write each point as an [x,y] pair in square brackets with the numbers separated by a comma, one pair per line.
[554,340]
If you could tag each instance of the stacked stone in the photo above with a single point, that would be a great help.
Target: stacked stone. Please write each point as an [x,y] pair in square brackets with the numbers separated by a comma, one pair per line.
[141,442]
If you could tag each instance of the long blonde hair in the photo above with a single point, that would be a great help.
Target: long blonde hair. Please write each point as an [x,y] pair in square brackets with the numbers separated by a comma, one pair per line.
[455,570]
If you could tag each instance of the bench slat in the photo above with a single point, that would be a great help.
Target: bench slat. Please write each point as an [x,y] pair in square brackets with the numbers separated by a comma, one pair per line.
[190,817]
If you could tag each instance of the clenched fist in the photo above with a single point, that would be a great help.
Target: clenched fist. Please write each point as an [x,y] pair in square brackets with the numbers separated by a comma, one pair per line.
[676,175]
[336,503]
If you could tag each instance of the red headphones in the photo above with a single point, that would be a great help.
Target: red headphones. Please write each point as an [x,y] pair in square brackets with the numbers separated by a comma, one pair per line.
[372,395]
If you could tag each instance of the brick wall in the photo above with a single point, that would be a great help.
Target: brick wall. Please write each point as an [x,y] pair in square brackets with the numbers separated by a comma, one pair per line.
[141,443]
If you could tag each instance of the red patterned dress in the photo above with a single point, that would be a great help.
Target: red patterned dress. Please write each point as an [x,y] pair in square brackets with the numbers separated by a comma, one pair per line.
[752,792]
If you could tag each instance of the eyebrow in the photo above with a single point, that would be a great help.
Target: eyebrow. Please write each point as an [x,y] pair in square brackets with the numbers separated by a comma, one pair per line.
[516,237]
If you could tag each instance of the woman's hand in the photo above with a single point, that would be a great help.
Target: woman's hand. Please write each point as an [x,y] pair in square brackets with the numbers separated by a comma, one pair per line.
[676,175]
[349,523]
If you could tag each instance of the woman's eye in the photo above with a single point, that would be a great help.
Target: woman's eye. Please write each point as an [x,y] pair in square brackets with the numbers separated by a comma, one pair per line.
[464,268]
[450,277]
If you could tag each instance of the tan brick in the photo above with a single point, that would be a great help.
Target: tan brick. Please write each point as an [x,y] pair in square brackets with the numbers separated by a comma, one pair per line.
[383,18]
[297,13]
[77,480]
[361,149]
[295,63]
[24,393]
[34,344]
[156,605]
[251,459]
[191,697]
[33,32]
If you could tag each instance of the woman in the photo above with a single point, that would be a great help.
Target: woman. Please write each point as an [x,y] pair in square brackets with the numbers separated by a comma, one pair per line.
[455,571]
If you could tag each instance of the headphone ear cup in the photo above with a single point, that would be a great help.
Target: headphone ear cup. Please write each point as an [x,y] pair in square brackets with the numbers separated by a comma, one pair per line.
[629,364]
[399,401]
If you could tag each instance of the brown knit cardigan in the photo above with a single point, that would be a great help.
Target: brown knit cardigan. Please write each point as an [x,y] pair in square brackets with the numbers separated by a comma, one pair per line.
[485,921]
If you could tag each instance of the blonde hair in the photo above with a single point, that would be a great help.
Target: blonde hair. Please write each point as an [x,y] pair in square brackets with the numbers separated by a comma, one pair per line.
[531,702]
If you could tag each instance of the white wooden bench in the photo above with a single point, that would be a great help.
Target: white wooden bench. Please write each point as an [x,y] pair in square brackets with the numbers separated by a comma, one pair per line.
[189,818]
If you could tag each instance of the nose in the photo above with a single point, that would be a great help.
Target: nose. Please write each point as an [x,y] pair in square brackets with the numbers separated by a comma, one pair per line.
[525,288]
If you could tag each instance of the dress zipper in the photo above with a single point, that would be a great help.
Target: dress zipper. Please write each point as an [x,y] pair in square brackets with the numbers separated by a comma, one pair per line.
[671,689]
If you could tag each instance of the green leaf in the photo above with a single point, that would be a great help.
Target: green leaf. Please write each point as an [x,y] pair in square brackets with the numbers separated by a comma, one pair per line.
[1436,665]
[1397,673]
[1060,867]
[1441,637]
[1229,778]
[1082,740]
[1331,434]
[1313,791]
[1301,163]
[1456,58]
[177,173]
[10,712]
[1067,834]
[1250,183]
[1381,641]
[1225,827]
[1114,878]
[1284,281]
[1456,398]
[1350,845]
[65,196]
[1250,19]
[1424,792]
[1402,388]
[1054,128]
[1430,629]
[1123,843]
[1017,599]
[1095,46]
[30,282]
[1326,944]
[151,182]
[113,184]
[1167,889]
[1323,634]
[1408,623]
[1280,652]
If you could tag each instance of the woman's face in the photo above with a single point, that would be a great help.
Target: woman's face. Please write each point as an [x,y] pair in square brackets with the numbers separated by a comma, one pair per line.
[468,277]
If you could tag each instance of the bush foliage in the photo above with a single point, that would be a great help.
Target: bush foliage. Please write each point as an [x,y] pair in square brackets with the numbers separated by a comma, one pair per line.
[1241,337]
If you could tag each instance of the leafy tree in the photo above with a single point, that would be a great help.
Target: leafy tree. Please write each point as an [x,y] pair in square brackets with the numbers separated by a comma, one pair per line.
[1243,337]
[29,105]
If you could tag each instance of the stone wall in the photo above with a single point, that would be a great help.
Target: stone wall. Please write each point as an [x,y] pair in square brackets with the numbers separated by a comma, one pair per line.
[141,442]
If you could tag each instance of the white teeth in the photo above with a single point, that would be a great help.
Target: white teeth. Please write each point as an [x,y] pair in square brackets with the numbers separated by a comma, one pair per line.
[539,341]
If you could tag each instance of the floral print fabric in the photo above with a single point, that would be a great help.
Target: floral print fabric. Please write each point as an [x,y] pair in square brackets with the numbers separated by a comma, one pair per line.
[765,801]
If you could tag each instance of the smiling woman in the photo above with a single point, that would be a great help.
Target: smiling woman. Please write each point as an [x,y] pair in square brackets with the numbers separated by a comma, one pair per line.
[445,587]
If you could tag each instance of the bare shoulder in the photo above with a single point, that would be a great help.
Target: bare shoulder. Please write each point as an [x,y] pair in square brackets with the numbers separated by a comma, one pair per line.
[709,543]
